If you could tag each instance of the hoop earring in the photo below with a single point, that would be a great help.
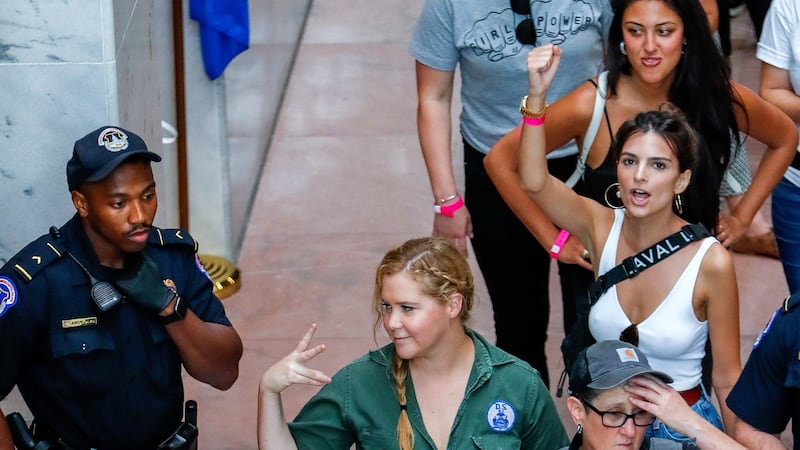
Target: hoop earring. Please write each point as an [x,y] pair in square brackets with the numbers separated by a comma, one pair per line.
[678,204]
[622,48]
[613,188]
[683,48]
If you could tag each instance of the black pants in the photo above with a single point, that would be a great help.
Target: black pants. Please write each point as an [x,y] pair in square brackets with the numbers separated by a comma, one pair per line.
[516,267]
[757,10]
[724,26]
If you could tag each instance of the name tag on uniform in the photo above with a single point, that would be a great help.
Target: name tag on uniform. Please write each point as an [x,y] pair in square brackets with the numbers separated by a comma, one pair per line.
[79,322]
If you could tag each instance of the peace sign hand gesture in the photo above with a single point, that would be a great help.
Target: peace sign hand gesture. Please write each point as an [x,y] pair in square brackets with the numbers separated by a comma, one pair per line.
[293,370]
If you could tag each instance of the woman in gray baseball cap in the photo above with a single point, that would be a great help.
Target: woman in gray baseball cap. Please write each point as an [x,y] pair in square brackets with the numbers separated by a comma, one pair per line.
[615,395]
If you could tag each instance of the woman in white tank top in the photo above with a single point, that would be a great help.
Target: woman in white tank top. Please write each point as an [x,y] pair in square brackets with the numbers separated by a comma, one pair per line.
[672,305]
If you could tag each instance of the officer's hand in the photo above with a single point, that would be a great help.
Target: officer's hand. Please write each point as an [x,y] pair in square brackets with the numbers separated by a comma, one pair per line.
[293,370]
[143,285]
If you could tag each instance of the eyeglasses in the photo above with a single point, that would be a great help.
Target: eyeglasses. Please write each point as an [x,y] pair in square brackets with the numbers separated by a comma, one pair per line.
[526,32]
[616,419]
[630,335]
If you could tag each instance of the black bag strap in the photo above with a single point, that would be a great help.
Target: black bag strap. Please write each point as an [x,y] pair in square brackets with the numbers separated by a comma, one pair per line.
[634,265]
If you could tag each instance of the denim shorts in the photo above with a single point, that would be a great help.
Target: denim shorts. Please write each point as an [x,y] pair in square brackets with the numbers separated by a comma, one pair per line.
[703,407]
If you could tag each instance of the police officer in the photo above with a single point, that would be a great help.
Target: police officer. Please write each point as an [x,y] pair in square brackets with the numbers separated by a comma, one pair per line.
[98,317]
[767,393]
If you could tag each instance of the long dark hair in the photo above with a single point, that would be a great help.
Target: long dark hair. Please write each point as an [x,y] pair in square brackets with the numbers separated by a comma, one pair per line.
[703,92]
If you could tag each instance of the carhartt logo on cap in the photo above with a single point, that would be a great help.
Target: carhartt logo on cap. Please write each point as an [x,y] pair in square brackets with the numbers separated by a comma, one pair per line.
[627,355]
[113,139]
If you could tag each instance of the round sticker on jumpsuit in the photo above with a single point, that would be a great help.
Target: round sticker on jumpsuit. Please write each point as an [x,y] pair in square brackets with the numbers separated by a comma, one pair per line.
[501,416]
[8,294]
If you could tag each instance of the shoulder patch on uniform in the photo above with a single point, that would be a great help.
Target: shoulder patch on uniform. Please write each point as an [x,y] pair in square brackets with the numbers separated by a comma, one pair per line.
[8,294]
[791,302]
[36,256]
[766,329]
[201,267]
[171,236]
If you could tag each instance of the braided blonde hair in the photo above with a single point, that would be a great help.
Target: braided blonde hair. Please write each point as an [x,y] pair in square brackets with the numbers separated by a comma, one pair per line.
[441,271]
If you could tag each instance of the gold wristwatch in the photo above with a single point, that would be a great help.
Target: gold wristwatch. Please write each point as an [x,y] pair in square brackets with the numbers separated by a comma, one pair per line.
[523,109]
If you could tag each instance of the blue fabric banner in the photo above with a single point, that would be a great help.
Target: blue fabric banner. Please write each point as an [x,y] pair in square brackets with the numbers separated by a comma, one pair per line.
[224,31]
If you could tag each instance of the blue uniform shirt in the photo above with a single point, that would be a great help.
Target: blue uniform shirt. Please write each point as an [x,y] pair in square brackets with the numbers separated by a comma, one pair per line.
[766,394]
[108,380]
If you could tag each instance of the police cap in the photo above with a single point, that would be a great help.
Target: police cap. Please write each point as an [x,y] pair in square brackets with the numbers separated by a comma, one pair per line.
[97,154]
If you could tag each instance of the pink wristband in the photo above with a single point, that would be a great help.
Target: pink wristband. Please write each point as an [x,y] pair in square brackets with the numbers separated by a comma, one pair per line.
[533,122]
[448,210]
[558,245]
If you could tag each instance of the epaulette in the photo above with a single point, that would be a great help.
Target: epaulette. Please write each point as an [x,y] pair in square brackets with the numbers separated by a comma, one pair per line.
[170,236]
[36,256]
[790,302]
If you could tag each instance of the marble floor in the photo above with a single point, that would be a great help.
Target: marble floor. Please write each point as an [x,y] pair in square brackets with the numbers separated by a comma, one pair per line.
[343,181]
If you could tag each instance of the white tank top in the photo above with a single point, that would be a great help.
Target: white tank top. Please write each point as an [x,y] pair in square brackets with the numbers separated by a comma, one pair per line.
[671,337]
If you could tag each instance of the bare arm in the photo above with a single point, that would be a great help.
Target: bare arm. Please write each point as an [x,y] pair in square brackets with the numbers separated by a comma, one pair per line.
[768,124]
[435,94]
[502,165]
[653,395]
[273,431]
[556,199]
[712,13]
[6,443]
[756,439]
[210,351]
[776,88]
[717,285]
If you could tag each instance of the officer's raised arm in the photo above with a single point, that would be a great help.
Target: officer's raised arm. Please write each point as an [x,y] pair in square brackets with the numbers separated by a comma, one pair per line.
[210,352]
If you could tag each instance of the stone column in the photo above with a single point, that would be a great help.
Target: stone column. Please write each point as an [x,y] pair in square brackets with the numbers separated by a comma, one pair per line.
[67,68]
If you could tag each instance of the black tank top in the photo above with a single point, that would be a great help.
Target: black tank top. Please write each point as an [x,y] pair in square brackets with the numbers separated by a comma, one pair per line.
[599,183]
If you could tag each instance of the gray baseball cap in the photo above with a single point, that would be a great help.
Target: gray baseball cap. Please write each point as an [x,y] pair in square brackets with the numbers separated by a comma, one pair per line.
[608,364]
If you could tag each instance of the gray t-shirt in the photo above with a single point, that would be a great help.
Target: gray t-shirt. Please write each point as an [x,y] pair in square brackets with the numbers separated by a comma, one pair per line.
[780,47]
[480,37]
